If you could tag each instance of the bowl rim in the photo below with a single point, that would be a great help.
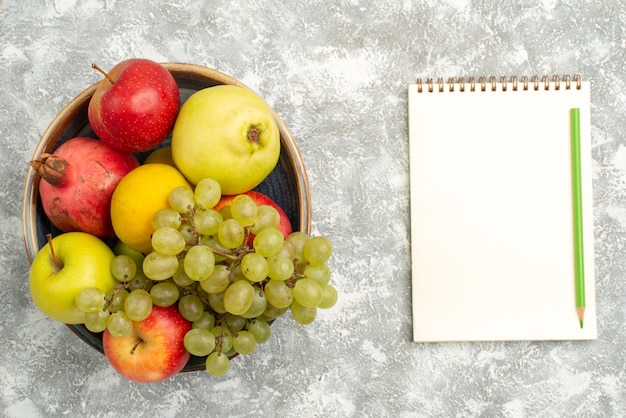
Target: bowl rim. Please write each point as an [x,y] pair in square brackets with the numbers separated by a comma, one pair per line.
[197,72]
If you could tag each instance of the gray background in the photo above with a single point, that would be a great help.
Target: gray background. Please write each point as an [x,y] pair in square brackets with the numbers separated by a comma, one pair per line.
[337,74]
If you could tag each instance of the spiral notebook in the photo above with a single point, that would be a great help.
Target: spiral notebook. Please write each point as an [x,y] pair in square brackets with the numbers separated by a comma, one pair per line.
[491,209]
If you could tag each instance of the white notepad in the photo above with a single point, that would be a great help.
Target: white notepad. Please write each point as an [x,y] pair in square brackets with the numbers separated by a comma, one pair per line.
[491,210]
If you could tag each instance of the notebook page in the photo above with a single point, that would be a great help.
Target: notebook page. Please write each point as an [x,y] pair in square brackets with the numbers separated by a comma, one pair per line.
[491,215]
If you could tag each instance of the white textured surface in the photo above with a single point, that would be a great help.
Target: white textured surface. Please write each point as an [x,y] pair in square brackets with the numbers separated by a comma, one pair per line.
[337,74]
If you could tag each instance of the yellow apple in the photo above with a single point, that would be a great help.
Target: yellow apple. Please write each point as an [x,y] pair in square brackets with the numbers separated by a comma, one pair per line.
[160,156]
[67,264]
[227,133]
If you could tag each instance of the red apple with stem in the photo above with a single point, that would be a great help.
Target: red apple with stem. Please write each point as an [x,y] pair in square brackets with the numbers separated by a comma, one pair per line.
[135,105]
[154,351]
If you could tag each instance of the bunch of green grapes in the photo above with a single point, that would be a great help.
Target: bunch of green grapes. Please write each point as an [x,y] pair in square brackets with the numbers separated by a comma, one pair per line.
[228,285]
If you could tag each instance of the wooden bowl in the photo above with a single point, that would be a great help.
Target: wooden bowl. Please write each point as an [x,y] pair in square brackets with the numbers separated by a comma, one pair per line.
[287,185]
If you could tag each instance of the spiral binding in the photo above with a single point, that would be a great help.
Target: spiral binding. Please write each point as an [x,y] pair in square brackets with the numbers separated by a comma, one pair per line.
[483,84]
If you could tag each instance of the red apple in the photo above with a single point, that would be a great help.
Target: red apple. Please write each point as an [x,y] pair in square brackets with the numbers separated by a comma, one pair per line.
[261,199]
[154,351]
[135,106]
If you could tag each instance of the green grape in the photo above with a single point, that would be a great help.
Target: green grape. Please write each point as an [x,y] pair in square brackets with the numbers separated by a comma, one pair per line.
[90,299]
[225,212]
[199,262]
[217,364]
[123,268]
[303,315]
[298,240]
[235,323]
[218,281]
[157,266]
[164,294]
[329,297]
[318,272]
[206,321]
[287,250]
[207,221]
[244,209]
[180,277]
[254,267]
[259,303]
[140,281]
[166,217]
[97,321]
[168,241]
[216,301]
[199,342]
[223,337]
[186,229]
[181,199]
[138,305]
[244,342]
[238,297]
[280,267]
[119,325]
[271,312]
[307,292]
[261,330]
[201,292]
[278,294]
[317,250]
[268,242]
[117,300]
[231,353]
[236,273]
[124,249]
[231,233]
[213,242]
[266,216]
[207,193]
[191,307]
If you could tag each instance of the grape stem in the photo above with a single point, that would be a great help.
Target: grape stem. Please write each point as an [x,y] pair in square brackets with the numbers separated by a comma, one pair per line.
[191,219]
[222,320]
[223,254]
[195,292]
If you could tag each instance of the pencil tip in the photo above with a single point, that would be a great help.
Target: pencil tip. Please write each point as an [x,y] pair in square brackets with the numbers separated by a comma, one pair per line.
[581,324]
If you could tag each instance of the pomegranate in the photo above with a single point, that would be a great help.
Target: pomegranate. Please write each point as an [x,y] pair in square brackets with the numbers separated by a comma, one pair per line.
[77,182]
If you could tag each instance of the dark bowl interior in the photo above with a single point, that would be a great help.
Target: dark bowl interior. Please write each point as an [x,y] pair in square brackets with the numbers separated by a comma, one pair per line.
[287,185]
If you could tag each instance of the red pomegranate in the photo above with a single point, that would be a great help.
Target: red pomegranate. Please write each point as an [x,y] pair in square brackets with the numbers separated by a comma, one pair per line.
[77,182]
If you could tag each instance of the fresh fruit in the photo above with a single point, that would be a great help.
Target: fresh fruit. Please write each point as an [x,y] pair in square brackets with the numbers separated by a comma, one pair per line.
[284,224]
[161,155]
[227,133]
[77,182]
[154,350]
[225,287]
[138,196]
[66,265]
[135,105]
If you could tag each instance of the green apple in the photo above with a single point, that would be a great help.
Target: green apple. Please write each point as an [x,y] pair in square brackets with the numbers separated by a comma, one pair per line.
[227,133]
[67,264]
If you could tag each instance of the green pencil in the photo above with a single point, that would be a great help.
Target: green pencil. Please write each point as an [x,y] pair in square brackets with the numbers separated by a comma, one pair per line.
[578,214]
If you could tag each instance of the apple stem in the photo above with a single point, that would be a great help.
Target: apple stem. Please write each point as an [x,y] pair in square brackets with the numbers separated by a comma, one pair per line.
[95,67]
[55,259]
[253,134]
[135,347]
